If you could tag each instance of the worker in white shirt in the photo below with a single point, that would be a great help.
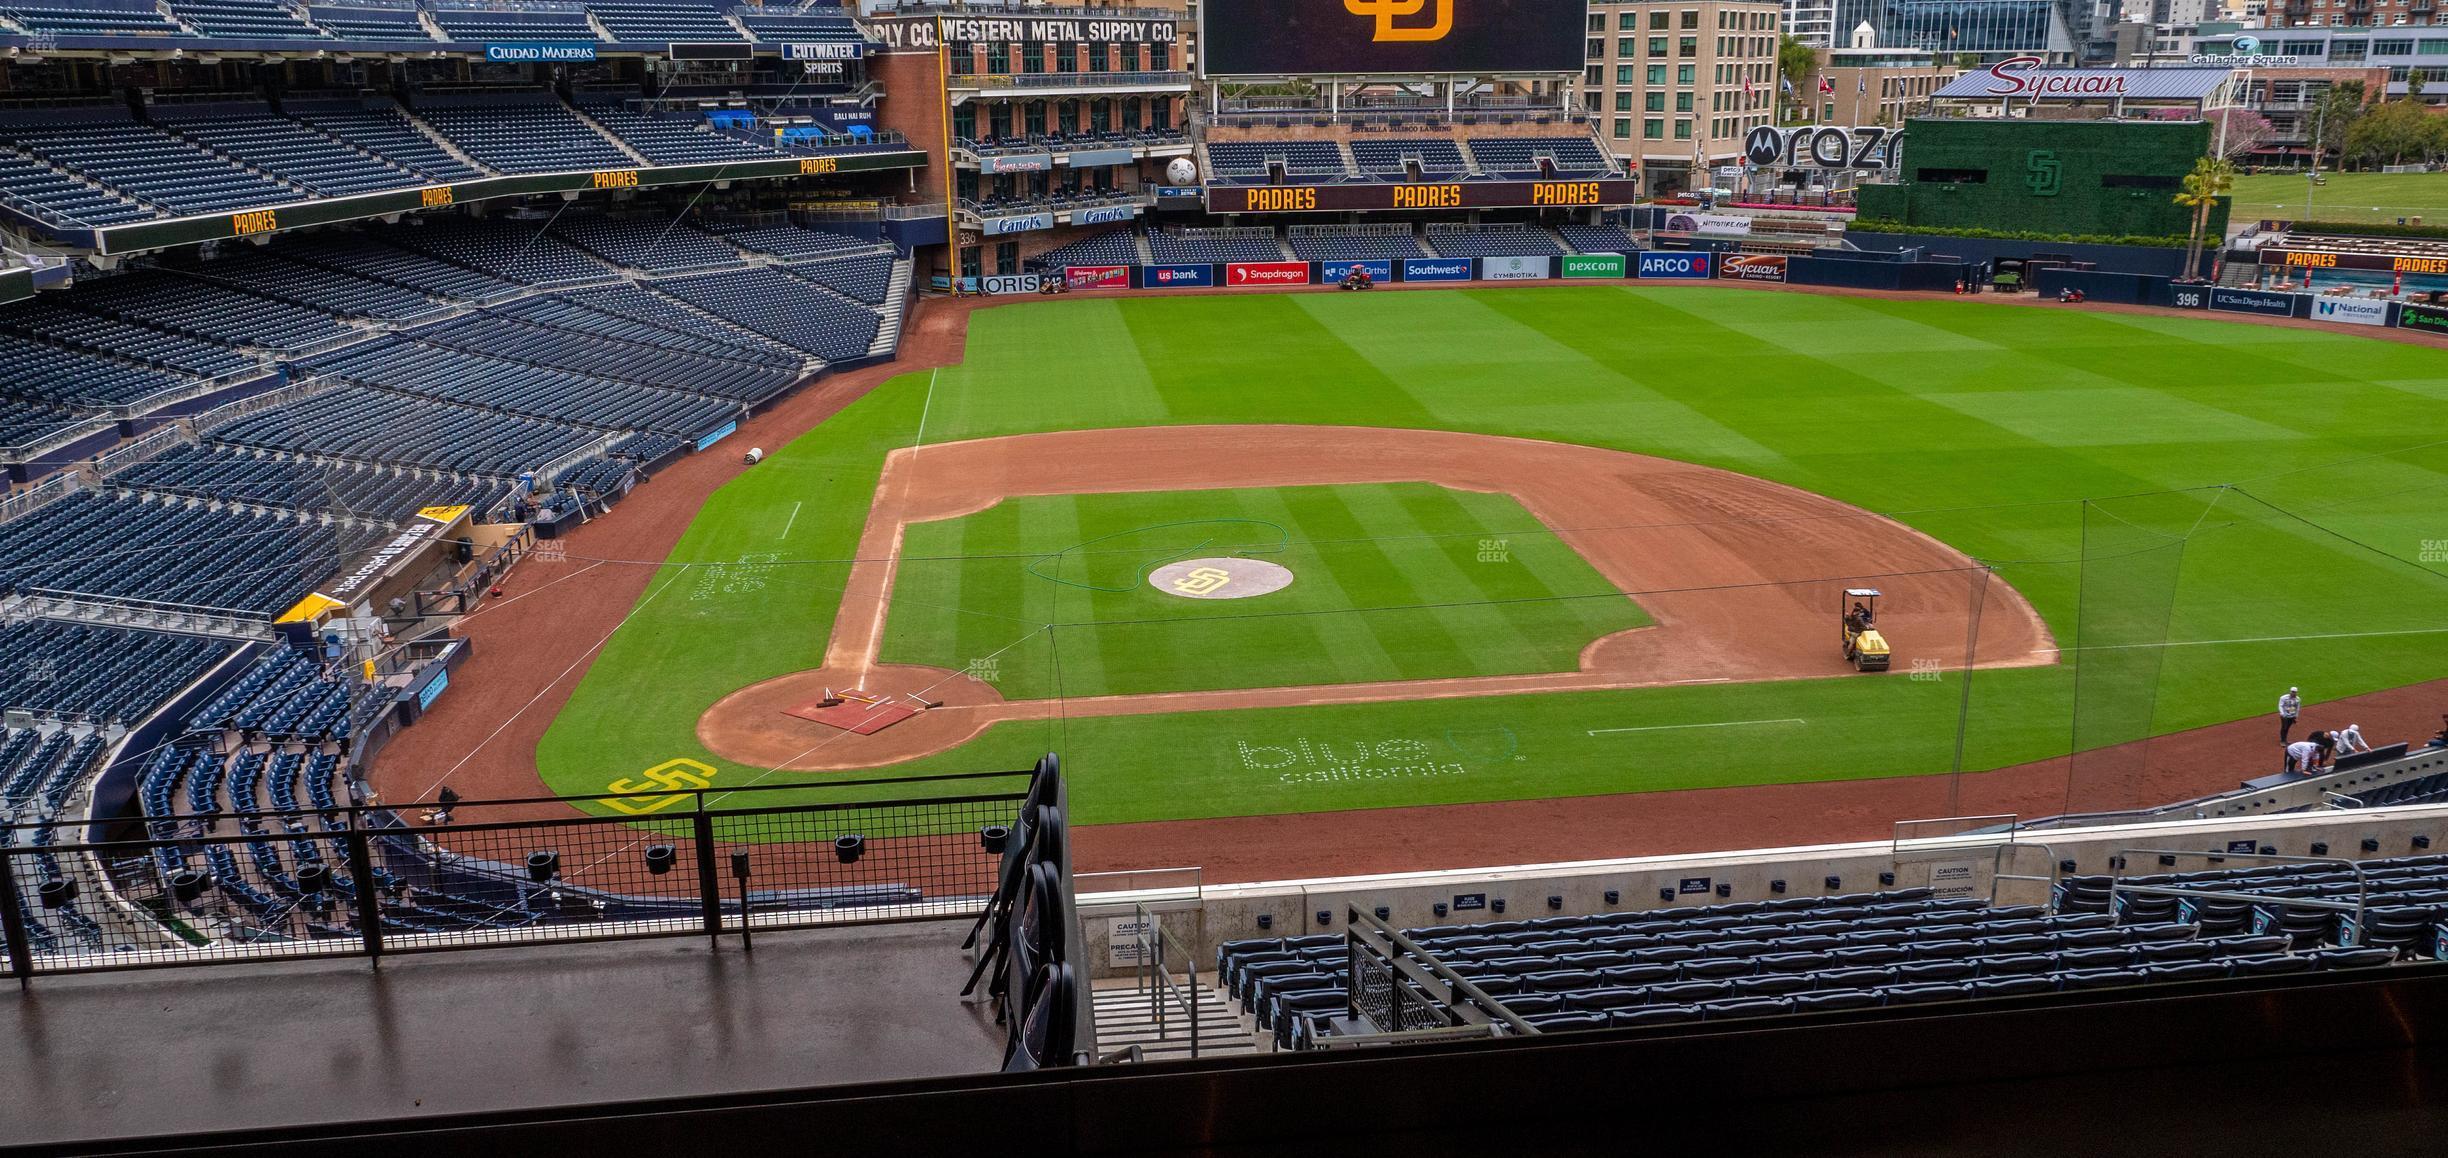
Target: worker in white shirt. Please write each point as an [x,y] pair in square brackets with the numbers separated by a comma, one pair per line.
[2290,705]
[2350,740]
[2303,756]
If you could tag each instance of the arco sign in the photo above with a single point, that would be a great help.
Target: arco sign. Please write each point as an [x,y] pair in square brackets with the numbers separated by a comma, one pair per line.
[1823,147]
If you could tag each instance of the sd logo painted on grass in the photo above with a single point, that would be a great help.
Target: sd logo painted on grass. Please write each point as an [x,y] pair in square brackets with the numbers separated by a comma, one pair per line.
[679,777]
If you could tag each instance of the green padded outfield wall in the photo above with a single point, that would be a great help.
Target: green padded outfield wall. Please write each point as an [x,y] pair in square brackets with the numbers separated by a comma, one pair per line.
[2070,177]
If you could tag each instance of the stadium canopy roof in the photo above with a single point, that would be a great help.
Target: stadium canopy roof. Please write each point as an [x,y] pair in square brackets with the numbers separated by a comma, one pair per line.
[2006,80]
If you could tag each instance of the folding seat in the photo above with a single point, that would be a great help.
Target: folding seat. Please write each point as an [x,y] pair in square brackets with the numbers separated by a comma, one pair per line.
[1744,1007]
[2170,952]
[2353,958]
[2272,964]
[1593,961]
[1639,973]
[1875,937]
[1818,928]
[1249,974]
[1652,1015]
[2253,946]
[1925,994]
[1810,944]
[1687,937]
[1556,922]
[1295,1006]
[1873,924]
[1265,989]
[1669,953]
[1555,946]
[1609,998]
[1526,1004]
[1992,930]
[1771,984]
[2100,957]
[1518,965]
[2142,934]
[1495,984]
[2013,963]
[1743,949]
[2088,938]
[2185,971]
[1852,978]
[1476,953]
[1943,950]
[2015,946]
[1685,992]
[1567,1021]
[1926,971]
[2098,978]
[1560,981]
[1704,968]
[1619,942]
[1791,962]
[2012,986]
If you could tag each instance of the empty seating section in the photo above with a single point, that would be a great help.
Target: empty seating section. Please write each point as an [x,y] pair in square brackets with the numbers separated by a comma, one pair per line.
[635,23]
[213,312]
[1120,247]
[655,244]
[628,314]
[361,255]
[796,23]
[1519,157]
[1461,241]
[511,24]
[649,361]
[2426,790]
[1355,247]
[329,290]
[354,23]
[35,188]
[172,551]
[516,250]
[522,133]
[1167,246]
[24,421]
[519,388]
[639,304]
[141,161]
[1756,958]
[788,309]
[1599,239]
[790,241]
[866,278]
[245,20]
[388,493]
[677,139]
[47,319]
[1438,157]
[283,697]
[387,133]
[380,426]
[40,768]
[103,673]
[276,144]
[90,17]
[2404,897]
[1248,162]
[61,376]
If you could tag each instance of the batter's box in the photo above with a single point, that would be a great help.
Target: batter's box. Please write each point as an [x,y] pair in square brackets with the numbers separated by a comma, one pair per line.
[859,714]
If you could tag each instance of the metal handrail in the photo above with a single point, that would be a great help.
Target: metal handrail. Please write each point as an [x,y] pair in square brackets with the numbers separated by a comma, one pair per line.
[1420,967]
[2362,882]
[1156,977]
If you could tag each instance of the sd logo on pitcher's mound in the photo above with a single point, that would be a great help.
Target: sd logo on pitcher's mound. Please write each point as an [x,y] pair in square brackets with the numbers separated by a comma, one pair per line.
[1220,578]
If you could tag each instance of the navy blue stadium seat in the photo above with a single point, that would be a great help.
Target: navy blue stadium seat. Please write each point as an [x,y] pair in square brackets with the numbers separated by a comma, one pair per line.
[1653,1015]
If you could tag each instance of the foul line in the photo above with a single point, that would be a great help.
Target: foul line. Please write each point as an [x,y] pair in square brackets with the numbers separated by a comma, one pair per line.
[794,518]
[1672,727]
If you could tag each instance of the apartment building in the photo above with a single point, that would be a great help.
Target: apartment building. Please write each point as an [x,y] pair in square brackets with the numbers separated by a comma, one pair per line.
[1674,87]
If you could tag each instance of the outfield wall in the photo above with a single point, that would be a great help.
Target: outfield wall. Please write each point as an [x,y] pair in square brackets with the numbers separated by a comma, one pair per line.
[1959,865]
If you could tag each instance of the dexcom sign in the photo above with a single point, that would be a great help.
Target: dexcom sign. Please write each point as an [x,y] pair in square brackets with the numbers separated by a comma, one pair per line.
[1682,264]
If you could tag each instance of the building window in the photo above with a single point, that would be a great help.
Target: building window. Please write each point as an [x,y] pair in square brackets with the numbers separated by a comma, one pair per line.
[1036,118]
[1627,21]
[1657,46]
[998,58]
[2393,48]
[1593,76]
[964,122]
[1691,18]
[1623,128]
[1007,257]
[1654,102]
[1623,102]
[1032,58]
[1597,22]
[1660,21]
[1683,129]
[1623,74]
[1627,46]
[1594,49]
[1653,129]
[1657,74]
[1685,72]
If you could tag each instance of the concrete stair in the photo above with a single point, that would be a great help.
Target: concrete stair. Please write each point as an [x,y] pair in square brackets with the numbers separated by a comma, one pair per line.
[1124,1019]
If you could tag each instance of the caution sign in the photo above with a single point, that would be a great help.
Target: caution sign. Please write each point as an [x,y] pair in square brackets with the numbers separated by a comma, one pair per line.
[443,515]
[314,606]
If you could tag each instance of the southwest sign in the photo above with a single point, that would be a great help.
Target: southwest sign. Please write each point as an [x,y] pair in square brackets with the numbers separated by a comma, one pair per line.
[1438,195]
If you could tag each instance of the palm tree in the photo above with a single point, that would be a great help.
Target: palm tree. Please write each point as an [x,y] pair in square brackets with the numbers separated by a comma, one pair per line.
[2210,180]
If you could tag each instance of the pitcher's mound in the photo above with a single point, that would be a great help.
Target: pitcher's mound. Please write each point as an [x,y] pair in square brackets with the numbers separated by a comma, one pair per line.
[1220,578]
[861,713]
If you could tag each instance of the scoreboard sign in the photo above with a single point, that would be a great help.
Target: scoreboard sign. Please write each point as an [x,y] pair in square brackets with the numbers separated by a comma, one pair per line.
[1386,38]
[2323,259]
[1445,195]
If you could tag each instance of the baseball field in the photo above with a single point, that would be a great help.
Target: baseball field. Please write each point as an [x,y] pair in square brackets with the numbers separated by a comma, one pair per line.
[1537,543]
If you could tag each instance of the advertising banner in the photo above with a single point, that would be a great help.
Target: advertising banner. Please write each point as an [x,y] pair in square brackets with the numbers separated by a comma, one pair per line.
[1362,196]
[917,33]
[1104,213]
[540,52]
[1691,265]
[1176,276]
[2352,311]
[1436,269]
[1090,158]
[824,50]
[997,226]
[1726,223]
[717,434]
[1751,267]
[1267,273]
[2189,296]
[2245,301]
[1594,265]
[1388,37]
[1096,276]
[2417,317]
[1513,268]
[1379,269]
[1016,163]
[1009,283]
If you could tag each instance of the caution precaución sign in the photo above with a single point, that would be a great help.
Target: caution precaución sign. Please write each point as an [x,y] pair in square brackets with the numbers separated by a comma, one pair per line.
[443,515]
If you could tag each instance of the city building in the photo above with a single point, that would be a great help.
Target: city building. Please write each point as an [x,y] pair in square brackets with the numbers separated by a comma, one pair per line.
[1675,86]
[1813,22]
[1862,84]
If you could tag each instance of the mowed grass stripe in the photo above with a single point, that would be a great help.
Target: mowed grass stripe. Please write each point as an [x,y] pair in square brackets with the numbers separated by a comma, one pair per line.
[1515,616]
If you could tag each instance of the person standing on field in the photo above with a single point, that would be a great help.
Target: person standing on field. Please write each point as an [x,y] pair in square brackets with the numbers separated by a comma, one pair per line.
[2290,705]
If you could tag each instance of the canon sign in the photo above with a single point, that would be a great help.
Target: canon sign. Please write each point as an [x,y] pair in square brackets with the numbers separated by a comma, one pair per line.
[2022,76]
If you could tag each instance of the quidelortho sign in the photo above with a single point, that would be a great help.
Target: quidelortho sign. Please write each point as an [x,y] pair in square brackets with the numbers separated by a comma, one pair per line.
[2246,301]
[1379,269]
[2352,311]
[1594,265]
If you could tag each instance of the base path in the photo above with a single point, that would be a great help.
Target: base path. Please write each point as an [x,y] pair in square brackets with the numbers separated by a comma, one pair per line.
[1743,577]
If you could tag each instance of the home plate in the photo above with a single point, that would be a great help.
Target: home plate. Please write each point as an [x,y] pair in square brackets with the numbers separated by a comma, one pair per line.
[859,713]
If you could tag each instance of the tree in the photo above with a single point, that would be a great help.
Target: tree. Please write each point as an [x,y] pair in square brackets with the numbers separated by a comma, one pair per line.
[2234,132]
[2393,132]
[2334,113]
[2210,180]
[1796,64]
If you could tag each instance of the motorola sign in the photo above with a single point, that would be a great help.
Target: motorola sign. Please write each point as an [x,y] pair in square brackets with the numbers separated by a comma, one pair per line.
[1823,147]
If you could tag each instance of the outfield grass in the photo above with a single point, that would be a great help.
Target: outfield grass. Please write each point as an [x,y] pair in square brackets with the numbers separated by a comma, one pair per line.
[2380,197]
[1391,582]
[1986,426]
